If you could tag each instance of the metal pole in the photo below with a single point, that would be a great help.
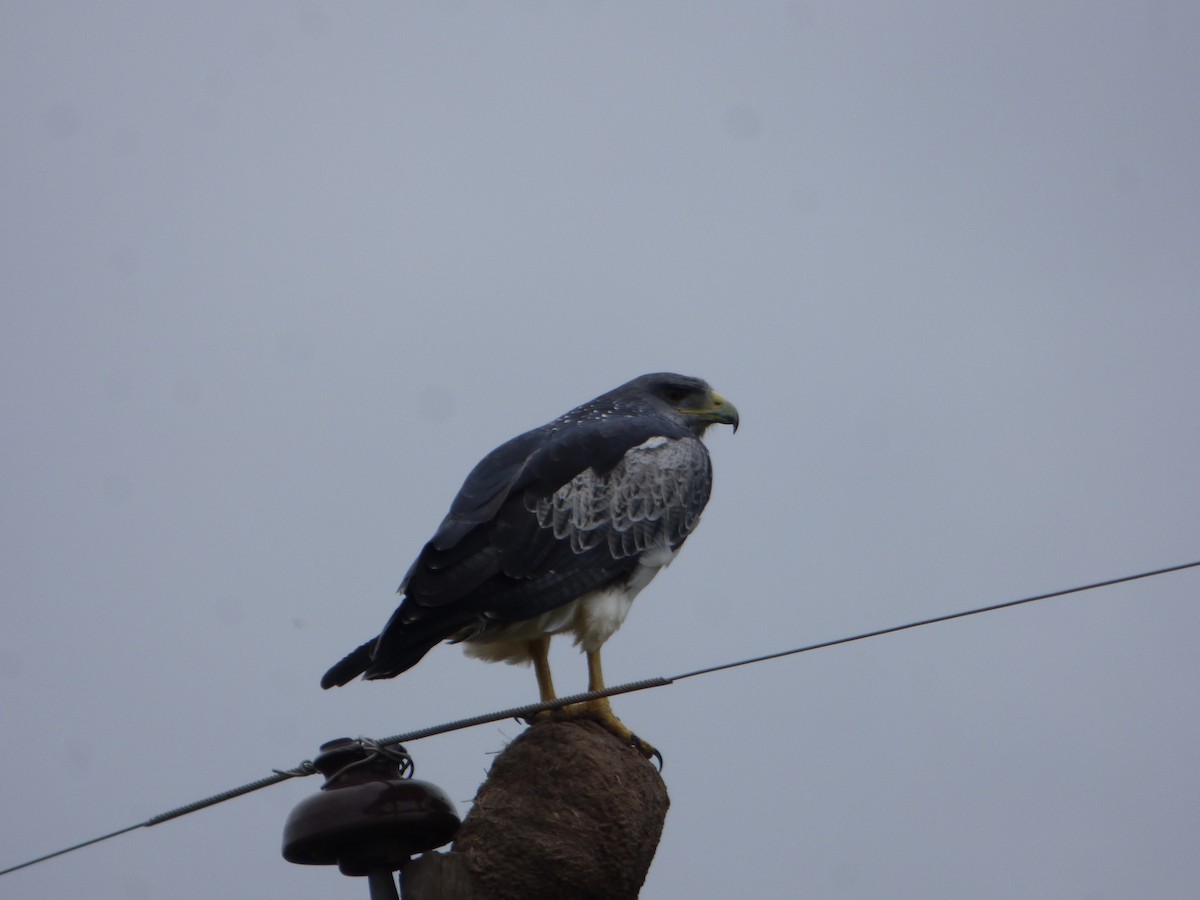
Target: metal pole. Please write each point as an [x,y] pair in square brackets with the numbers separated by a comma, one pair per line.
[383,885]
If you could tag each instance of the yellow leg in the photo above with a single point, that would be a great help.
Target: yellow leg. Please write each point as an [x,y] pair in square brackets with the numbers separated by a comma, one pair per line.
[595,672]
[539,652]
[601,710]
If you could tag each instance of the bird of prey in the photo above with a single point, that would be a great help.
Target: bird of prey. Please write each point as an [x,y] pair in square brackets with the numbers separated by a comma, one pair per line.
[555,532]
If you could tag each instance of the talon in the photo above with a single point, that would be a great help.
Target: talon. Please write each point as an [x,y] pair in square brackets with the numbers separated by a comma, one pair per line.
[647,750]
[601,713]
[598,709]
[540,716]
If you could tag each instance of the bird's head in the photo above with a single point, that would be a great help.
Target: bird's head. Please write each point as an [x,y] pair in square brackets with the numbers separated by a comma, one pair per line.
[690,401]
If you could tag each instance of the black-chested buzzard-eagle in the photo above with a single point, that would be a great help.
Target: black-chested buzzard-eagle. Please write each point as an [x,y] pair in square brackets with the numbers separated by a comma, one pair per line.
[555,532]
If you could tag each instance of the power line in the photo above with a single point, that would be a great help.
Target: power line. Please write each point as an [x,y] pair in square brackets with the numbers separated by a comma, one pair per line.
[307,768]
[935,619]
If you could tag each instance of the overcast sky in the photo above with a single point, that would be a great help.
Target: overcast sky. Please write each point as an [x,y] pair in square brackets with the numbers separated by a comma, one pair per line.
[275,276]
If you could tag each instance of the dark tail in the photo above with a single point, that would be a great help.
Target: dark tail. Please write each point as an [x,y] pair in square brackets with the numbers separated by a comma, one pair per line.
[351,667]
[398,649]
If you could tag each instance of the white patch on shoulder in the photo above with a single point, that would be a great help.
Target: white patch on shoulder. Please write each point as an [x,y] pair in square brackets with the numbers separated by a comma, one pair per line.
[651,443]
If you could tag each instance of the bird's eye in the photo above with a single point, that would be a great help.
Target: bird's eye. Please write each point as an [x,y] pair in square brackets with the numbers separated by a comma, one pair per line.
[675,394]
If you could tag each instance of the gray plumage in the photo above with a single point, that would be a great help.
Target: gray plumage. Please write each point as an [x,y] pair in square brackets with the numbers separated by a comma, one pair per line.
[557,529]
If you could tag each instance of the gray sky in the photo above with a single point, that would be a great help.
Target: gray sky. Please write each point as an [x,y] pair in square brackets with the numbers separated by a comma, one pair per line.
[274,278]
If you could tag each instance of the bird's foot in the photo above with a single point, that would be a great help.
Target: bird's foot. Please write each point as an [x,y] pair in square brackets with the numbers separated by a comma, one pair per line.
[543,715]
[600,712]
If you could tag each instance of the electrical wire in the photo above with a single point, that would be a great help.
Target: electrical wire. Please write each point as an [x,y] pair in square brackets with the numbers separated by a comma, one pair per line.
[523,712]
[935,619]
